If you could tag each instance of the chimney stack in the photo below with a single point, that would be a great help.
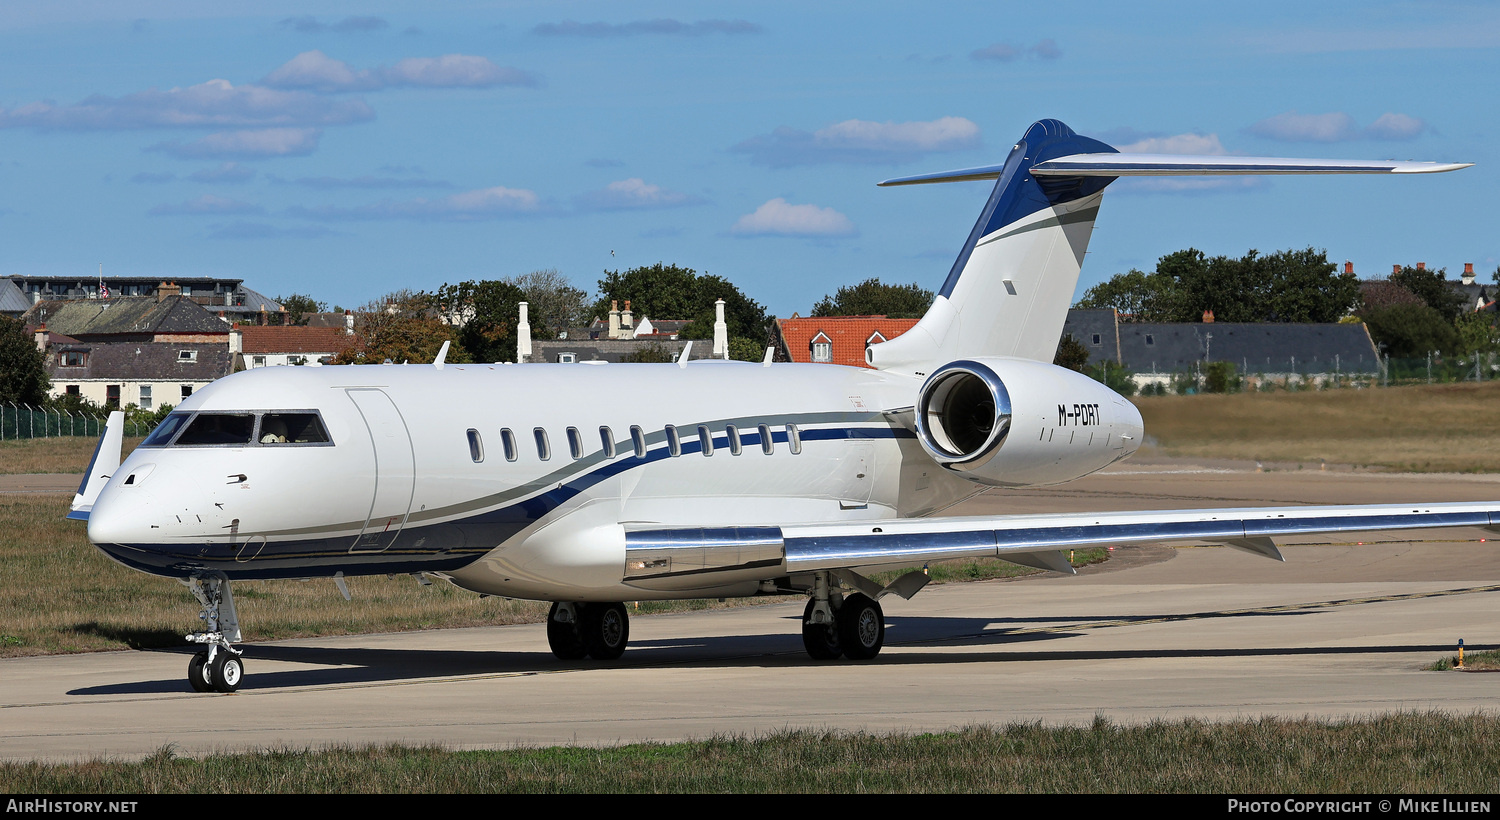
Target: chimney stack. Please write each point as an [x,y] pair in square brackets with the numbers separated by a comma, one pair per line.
[614,319]
[1395,269]
[348,323]
[721,332]
[41,337]
[1348,266]
[626,321]
[523,337]
[1208,317]
[166,289]
[1421,266]
[1468,273]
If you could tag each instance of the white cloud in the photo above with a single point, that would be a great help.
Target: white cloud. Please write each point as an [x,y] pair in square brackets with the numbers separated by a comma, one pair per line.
[470,206]
[253,144]
[861,141]
[633,193]
[309,24]
[1336,127]
[316,71]
[779,218]
[207,204]
[1195,144]
[214,104]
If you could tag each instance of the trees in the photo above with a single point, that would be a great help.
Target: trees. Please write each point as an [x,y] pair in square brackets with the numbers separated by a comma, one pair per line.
[401,326]
[1431,286]
[1286,286]
[874,298]
[1409,330]
[23,368]
[486,315]
[298,305]
[662,291]
[551,299]
[1071,353]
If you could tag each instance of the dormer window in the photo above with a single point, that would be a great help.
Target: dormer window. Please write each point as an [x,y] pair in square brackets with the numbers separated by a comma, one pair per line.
[75,358]
[822,348]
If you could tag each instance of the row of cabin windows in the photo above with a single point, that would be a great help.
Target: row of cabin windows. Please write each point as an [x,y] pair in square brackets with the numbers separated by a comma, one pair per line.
[637,442]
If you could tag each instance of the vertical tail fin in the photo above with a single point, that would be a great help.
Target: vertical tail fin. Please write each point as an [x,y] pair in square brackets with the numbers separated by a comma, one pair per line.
[1008,293]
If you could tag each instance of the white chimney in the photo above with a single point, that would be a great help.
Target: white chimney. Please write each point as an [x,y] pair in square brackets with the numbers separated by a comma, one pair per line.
[625,319]
[523,337]
[236,340]
[614,319]
[348,323]
[721,332]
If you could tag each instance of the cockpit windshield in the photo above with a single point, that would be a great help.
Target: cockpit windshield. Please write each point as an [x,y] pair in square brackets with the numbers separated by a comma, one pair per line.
[239,429]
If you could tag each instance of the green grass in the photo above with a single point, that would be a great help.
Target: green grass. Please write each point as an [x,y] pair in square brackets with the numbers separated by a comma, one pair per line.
[59,454]
[1431,753]
[1486,660]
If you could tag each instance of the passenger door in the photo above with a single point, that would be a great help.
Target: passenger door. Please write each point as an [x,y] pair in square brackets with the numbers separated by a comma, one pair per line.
[395,463]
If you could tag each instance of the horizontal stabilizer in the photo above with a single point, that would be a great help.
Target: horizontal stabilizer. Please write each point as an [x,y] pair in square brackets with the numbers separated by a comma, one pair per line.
[1164,165]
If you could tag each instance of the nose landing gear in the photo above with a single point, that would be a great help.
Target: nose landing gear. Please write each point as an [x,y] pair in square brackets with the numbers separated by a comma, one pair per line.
[219,668]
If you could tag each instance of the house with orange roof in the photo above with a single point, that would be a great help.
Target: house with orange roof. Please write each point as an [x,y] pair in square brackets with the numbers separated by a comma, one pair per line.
[835,339]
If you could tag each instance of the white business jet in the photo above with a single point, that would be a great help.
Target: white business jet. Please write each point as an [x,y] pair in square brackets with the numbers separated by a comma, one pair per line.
[592,485]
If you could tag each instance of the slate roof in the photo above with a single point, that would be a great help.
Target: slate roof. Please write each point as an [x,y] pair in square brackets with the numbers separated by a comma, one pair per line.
[1270,347]
[294,339]
[13,301]
[133,315]
[1086,325]
[848,334]
[141,361]
[612,350]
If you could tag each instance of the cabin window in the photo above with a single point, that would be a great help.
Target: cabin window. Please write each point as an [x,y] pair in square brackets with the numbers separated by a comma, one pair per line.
[145,397]
[476,447]
[705,440]
[607,439]
[733,434]
[794,439]
[162,435]
[508,442]
[575,443]
[767,446]
[543,449]
[638,440]
[674,444]
[218,428]
[294,428]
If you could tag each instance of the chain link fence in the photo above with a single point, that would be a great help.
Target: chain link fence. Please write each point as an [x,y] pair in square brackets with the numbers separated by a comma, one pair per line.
[1293,374]
[22,421]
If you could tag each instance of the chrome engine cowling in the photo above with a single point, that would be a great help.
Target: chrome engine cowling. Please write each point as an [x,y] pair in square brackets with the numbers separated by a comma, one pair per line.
[1018,423]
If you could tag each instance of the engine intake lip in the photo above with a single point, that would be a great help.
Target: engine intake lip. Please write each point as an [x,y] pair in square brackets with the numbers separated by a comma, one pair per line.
[963,415]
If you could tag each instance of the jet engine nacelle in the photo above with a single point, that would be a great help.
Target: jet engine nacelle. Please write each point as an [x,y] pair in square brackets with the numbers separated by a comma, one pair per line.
[1019,423]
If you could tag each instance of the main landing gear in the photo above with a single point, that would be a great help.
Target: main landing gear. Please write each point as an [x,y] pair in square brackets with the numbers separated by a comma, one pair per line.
[597,630]
[220,667]
[835,624]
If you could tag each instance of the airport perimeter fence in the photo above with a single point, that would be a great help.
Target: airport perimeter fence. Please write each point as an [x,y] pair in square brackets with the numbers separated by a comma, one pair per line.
[1294,375]
[22,421]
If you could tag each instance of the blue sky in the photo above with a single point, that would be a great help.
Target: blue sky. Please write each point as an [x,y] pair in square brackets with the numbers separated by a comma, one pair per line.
[350,149]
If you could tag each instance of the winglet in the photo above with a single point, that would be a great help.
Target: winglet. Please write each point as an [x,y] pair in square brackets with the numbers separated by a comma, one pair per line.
[103,465]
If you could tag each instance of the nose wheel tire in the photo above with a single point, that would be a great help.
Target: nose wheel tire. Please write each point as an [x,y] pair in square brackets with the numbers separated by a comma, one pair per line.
[861,627]
[820,640]
[226,672]
[606,630]
[563,637]
[198,673]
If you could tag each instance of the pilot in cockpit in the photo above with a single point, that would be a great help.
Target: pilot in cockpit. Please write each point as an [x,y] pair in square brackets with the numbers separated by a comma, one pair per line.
[272,431]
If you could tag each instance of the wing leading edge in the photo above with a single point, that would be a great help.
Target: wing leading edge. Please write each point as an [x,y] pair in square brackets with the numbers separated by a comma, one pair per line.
[1026,539]
[1156,165]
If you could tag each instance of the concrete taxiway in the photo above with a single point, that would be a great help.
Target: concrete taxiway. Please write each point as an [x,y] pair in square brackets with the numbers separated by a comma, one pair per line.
[1341,629]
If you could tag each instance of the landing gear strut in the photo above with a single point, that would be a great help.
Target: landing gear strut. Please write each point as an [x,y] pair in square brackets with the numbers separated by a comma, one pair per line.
[219,668]
[598,630]
[834,624]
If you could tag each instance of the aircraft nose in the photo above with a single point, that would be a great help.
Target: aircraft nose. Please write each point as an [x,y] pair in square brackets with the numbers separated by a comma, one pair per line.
[109,521]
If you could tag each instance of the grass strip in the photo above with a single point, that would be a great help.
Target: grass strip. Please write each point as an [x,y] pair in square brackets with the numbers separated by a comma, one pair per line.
[1429,753]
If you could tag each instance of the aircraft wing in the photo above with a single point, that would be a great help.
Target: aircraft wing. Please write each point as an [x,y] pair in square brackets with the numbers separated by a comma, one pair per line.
[1031,540]
[1158,165]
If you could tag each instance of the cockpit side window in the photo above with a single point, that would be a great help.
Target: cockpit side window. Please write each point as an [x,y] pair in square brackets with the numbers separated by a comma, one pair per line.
[218,428]
[292,428]
[162,435]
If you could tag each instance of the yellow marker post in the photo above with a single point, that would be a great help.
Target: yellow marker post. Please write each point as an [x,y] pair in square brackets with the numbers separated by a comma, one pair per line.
[1460,653]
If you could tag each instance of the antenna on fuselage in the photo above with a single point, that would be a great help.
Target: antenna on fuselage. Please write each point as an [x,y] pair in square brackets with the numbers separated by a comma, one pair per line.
[441,356]
[683,359]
